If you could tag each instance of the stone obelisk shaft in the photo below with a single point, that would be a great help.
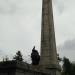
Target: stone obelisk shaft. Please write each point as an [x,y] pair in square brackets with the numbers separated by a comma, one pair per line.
[48,44]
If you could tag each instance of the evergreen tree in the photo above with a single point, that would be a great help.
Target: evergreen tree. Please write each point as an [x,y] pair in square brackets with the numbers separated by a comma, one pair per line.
[18,56]
[66,66]
[73,69]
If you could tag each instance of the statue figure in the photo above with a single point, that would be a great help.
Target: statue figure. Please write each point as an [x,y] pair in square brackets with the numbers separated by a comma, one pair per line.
[35,57]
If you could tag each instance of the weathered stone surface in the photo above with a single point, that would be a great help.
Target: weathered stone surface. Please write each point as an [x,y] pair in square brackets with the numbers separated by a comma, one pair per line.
[48,44]
[48,59]
[18,68]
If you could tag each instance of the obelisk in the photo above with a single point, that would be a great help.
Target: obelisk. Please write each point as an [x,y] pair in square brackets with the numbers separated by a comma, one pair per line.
[48,58]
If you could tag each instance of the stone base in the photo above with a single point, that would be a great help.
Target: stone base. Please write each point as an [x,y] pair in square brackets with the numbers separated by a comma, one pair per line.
[22,68]
[50,70]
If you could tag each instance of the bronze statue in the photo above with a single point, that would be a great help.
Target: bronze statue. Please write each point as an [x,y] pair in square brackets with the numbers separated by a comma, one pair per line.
[35,57]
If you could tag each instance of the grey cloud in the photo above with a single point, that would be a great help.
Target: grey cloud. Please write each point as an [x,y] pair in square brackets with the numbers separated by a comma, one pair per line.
[20,6]
[59,5]
[1,52]
[22,29]
[67,49]
[65,22]
[6,7]
[19,31]
[63,5]
[68,45]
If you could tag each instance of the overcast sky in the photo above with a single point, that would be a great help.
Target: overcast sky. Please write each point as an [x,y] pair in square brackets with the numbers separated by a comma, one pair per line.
[20,27]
